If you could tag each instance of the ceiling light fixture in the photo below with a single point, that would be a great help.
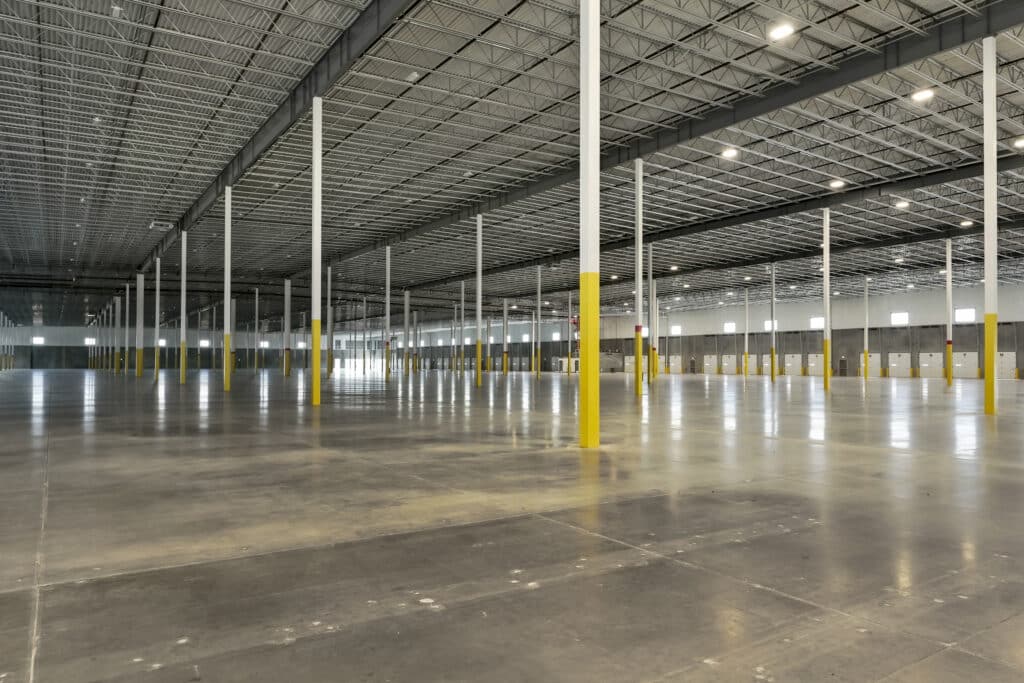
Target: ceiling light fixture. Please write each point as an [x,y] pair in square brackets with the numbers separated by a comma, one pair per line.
[792,286]
[730,152]
[686,286]
[910,286]
[902,204]
[837,184]
[780,31]
[615,277]
[966,224]
[673,268]
[923,95]
[898,259]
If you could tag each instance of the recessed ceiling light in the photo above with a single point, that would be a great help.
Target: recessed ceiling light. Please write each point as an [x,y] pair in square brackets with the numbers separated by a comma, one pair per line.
[686,286]
[910,286]
[835,293]
[514,306]
[792,286]
[615,277]
[730,152]
[673,267]
[746,278]
[966,224]
[902,204]
[780,31]
[837,184]
[898,259]
[547,303]
[923,95]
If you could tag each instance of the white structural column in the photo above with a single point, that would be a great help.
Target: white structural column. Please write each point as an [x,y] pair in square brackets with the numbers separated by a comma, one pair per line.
[590,223]
[156,322]
[991,190]
[117,335]
[316,306]
[638,269]
[772,325]
[536,337]
[415,342]
[479,298]
[826,287]
[286,330]
[227,288]
[127,323]
[867,319]
[405,332]
[462,327]
[652,313]
[364,335]
[746,333]
[256,331]
[234,326]
[139,343]
[387,312]
[329,351]
[949,312]
[504,336]
[183,341]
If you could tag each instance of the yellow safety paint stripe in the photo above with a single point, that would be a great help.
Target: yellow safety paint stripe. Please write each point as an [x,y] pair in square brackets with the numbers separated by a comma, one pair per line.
[590,358]
[991,329]
[949,362]
[138,362]
[184,363]
[827,361]
[316,363]
[227,362]
[638,362]
[479,363]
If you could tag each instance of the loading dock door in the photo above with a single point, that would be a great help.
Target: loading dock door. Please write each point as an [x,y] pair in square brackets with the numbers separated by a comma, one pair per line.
[874,364]
[931,365]
[1006,365]
[899,365]
[816,364]
[794,364]
[965,364]
[710,365]
[729,364]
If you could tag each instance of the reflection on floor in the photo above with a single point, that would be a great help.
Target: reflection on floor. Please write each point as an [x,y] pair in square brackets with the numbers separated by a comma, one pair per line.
[428,530]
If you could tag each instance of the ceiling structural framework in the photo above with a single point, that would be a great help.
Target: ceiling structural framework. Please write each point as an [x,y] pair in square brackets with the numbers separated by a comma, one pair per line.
[123,121]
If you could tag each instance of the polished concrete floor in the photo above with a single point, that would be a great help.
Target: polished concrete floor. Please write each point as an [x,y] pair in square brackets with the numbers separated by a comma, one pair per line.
[431,531]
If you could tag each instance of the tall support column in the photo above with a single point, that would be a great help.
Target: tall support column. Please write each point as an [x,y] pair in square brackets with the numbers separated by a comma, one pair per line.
[234,326]
[156,322]
[117,335]
[540,317]
[405,332]
[139,342]
[638,278]
[330,326]
[462,328]
[867,320]
[488,362]
[364,335]
[590,223]
[415,342]
[127,323]
[504,336]
[949,312]
[568,337]
[387,313]
[479,298]
[826,266]
[652,340]
[227,287]
[746,334]
[991,189]
[316,307]
[286,331]
[772,325]
[183,342]
[256,332]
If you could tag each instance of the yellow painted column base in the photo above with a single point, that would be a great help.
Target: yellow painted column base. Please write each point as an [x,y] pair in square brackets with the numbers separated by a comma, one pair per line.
[590,360]
[771,356]
[138,362]
[315,393]
[949,363]
[227,362]
[746,364]
[504,362]
[117,364]
[387,360]
[184,363]
[287,362]
[866,370]
[827,362]
[479,363]
[156,360]
[991,344]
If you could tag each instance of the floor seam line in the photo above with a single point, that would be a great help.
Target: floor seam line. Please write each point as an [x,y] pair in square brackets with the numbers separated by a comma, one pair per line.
[34,635]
